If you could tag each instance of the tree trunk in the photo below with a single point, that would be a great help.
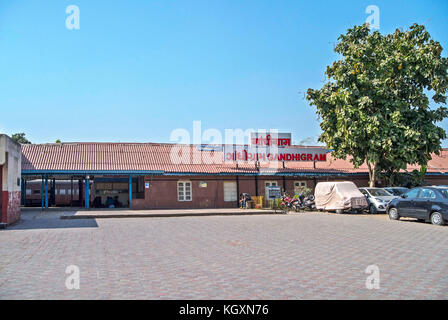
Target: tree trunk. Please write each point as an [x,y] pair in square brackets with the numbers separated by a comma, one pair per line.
[372,174]
[423,170]
[373,178]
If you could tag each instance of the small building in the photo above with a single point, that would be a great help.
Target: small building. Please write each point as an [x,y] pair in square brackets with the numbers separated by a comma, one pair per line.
[144,175]
[10,186]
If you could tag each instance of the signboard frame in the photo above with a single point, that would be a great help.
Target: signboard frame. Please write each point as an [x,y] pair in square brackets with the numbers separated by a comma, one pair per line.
[273,192]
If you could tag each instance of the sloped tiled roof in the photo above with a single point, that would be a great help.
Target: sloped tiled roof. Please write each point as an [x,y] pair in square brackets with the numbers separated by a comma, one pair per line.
[156,157]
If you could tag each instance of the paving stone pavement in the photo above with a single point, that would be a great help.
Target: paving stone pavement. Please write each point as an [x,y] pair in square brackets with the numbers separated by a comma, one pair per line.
[296,256]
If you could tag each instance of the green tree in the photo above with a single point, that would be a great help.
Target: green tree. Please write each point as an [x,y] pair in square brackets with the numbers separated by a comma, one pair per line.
[58,141]
[374,105]
[20,138]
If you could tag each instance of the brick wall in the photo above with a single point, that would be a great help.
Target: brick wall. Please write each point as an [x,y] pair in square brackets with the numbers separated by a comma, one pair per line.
[13,210]
[436,180]
[162,191]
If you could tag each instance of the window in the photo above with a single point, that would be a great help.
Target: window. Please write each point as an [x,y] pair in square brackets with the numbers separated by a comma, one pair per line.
[184,191]
[36,191]
[28,191]
[230,193]
[412,193]
[270,183]
[427,193]
[378,192]
[364,192]
[62,192]
[396,191]
[444,192]
[298,186]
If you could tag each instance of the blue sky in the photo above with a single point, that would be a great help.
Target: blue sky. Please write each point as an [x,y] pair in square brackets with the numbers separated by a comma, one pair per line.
[136,70]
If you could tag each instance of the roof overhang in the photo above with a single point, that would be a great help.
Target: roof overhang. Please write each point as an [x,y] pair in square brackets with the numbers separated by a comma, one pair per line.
[91,172]
[164,173]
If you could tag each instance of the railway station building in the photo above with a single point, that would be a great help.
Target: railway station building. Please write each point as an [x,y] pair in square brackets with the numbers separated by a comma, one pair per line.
[144,175]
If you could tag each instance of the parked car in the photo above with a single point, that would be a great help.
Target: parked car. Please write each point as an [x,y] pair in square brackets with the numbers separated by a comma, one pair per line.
[377,199]
[339,196]
[422,203]
[396,191]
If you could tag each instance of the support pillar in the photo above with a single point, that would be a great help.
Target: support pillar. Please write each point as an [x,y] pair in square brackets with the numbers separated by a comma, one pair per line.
[87,195]
[46,192]
[71,192]
[42,193]
[130,191]
[237,192]
[23,191]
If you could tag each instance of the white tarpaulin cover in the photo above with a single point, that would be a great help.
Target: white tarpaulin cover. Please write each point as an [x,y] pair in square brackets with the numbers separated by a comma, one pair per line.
[339,196]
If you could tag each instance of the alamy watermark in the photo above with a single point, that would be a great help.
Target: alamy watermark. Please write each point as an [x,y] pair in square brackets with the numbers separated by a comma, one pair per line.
[72,22]
[373,280]
[208,146]
[373,20]
[72,281]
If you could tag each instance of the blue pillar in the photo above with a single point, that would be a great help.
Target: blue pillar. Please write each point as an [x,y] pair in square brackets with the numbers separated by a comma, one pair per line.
[46,192]
[42,193]
[87,195]
[130,190]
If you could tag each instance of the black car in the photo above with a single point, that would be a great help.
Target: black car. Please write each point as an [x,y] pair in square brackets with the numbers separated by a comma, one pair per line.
[422,203]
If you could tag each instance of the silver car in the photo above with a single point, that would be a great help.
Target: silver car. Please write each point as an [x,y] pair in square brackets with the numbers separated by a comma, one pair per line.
[396,191]
[377,198]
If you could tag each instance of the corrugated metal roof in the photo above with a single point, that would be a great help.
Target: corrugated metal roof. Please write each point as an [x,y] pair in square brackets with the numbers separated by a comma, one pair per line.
[156,157]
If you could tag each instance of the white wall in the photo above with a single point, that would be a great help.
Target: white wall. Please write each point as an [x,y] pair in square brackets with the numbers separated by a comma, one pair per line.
[11,155]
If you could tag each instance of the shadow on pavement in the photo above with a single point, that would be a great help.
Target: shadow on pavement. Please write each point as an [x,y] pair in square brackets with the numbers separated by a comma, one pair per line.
[37,219]
[53,224]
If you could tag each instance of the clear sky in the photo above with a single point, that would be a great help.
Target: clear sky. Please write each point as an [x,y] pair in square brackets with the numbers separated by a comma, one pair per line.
[136,70]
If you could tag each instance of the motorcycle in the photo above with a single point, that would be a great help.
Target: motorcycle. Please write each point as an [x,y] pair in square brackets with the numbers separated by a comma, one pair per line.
[288,203]
[307,202]
[297,204]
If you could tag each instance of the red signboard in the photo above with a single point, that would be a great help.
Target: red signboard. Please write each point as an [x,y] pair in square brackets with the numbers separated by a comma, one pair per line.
[245,153]
[270,139]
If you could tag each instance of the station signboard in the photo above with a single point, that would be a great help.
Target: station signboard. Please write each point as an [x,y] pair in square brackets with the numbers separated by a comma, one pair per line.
[267,139]
[270,154]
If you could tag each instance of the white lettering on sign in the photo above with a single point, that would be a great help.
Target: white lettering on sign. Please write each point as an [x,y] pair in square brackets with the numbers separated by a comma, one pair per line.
[245,153]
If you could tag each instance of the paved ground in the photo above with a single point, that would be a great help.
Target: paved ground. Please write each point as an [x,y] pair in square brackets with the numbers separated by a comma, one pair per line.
[125,213]
[297,256]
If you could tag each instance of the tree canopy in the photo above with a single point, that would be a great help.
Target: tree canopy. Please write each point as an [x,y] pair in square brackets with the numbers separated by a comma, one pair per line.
[374,105]
[20,138]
